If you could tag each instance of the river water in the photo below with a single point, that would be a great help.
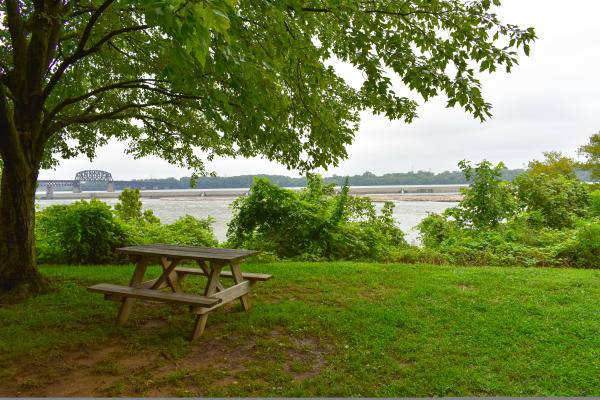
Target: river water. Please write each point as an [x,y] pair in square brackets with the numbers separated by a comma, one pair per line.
[407,213]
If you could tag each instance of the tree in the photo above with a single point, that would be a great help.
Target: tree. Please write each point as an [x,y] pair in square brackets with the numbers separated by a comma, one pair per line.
[591,151]
[487,201]
[554,165]
[130,208]
[179,78]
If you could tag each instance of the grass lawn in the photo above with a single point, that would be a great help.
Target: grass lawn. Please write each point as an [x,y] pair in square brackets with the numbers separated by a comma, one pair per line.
[316,329]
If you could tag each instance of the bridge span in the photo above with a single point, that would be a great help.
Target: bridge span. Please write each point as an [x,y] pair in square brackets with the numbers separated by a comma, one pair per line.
[100,176]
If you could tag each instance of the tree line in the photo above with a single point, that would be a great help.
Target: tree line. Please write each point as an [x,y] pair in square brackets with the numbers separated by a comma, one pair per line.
[365,179]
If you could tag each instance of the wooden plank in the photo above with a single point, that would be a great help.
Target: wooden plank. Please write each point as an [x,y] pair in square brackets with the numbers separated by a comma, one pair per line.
[211,288]
[229,295]
[136,280]
[206,270]
[194,249]
[188,252]
[214,250]
[150,294]
[149,284]
[238,279]
[172,277]
[213,278]
[224,274]
[167,271]
[233,292]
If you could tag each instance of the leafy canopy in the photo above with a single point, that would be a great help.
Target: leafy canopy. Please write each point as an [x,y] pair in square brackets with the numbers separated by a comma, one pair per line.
[554,165]
[177,78]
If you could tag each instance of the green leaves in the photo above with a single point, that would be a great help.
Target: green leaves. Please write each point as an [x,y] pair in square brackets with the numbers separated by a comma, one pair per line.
[78,233]
[559,199]
[487,201]
[190,80]
[313,223]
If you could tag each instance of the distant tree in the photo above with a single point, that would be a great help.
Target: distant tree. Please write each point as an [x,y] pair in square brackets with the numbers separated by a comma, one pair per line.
[488,200]
[554,165]
[177,79]
[591,151]
[130,208]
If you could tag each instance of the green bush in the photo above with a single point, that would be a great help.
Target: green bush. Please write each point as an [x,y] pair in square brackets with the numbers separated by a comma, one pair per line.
[487,201]
[519,241]
[583,250]
[312,224]
[559,200]
[435,229]
[536,220]
[145,228]
[130,208]
[78,233]
[186,231]
[595,203]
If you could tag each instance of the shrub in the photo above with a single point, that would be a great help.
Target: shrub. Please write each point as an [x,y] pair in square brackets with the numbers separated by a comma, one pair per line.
[559,200]
[130,208]
[187,231]
[595,203]
[78,233]
[313,223]
[583,250]
[487,201]
[190,231]
[435,229]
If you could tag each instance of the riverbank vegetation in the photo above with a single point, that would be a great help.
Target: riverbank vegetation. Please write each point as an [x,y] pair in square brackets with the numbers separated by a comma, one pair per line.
[365,179]
[89,232]
[544,217]
[318,329]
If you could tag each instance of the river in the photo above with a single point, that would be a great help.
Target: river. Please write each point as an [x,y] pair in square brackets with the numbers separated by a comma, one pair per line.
[407,213]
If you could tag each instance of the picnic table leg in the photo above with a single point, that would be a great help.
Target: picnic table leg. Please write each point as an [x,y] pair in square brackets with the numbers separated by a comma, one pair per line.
[211,288]
[206,270]
[173,279]
[169,269]
[136,280]
[238,278]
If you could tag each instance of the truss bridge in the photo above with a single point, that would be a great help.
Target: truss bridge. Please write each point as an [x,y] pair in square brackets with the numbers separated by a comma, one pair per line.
[95,176]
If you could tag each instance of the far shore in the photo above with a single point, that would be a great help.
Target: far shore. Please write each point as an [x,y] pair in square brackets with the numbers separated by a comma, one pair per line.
[447,197]
[448,193]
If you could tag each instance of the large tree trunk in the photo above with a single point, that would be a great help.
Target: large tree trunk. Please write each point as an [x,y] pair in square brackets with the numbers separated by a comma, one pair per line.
[19,275]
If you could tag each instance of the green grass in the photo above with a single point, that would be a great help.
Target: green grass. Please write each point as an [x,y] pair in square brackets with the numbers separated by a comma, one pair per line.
[339,329]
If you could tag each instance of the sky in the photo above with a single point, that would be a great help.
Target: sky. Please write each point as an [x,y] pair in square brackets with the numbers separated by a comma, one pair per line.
[551,101]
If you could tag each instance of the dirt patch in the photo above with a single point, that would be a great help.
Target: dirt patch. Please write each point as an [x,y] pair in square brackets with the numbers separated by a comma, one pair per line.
[378,292]
[112,370]
[154,324]
[463,286]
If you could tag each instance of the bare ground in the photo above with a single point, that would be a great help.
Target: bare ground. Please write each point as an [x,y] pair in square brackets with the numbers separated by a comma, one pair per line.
[115,369]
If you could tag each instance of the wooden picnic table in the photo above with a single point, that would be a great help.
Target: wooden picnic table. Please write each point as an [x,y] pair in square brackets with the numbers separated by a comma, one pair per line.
[210,262]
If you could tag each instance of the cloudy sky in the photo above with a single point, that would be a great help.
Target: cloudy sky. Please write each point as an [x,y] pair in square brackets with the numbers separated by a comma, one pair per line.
[551,101]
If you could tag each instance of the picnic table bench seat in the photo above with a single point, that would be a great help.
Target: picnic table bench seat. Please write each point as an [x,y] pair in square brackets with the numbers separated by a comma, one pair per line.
[251,276]
[150,294]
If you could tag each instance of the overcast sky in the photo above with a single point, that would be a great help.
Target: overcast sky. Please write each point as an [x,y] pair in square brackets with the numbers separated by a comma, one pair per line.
[551,101]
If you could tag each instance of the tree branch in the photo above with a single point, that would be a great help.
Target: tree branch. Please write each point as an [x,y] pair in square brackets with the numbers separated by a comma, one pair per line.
[90,25]
[8,138]
[72,100]
[80,53]
[128,85]
[17,34]
[113,114]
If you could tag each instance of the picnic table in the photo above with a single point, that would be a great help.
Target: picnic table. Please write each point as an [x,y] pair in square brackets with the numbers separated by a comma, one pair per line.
[210,262]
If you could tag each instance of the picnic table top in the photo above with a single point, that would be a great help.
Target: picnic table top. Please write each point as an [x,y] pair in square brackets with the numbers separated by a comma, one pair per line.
[189,252]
